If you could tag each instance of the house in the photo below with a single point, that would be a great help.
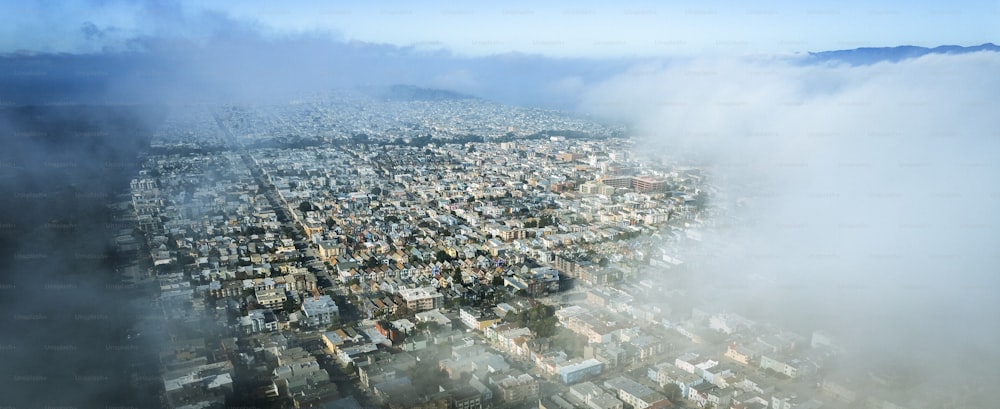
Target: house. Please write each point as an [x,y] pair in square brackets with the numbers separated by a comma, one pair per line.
[271,297]
[434,316]
[720,397]
[484,391]
[792,401]
[414,343]
[472,359]
[686,362]
[780,342]
[699,393]
[387,369]
[320,311]
[634,393]
[787,365]
[348,354]
[591,396]
[729,323]
[466,398]
[744,354]
[258,321]
[644,347]
[477,319]
[516,389]
[665,373]
[331,340]
[299,377]
[194,384]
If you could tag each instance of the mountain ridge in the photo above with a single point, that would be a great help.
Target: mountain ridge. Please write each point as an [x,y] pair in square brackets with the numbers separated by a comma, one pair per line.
[872,55]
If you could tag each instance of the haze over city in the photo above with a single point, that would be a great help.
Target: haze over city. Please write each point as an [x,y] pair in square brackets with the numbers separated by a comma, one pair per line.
[208,204]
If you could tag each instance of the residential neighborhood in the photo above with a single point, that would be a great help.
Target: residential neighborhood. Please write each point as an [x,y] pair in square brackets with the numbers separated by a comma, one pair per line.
[342,254]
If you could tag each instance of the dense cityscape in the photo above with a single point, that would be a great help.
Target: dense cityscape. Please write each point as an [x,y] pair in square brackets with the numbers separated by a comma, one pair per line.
[431,250]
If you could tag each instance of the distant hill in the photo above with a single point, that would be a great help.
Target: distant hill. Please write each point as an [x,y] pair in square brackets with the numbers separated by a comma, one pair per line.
[872,55]
[413,93]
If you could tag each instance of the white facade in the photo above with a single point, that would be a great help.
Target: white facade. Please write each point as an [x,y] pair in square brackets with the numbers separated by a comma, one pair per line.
[320,310]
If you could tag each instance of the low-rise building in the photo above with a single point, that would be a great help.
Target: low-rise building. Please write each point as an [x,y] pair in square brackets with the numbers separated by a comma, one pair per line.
[421,299]
[788,366]
[593,397]
[434,316]
[576,370]
[634,393]
[320,311]
[476,319]
[271,297]
[258,321]
[516,389]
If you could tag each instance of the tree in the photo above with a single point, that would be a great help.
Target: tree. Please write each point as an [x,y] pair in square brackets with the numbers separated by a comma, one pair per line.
[290,305]
[672,392]
[540,319]
[545,327]
[545,220]
[570,342]
[305,206]
[402,311]
[442,255]
[455,303]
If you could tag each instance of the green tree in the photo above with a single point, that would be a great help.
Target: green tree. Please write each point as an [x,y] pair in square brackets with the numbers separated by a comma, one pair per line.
[442,255]
[570,342]
[672,392]
[540,319]
[290,305]
[545,220]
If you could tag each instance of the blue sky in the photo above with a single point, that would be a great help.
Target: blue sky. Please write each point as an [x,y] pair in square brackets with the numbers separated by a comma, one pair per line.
[560,29]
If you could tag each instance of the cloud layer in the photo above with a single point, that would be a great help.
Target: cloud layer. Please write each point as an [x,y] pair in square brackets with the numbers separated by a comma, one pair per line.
[860,199]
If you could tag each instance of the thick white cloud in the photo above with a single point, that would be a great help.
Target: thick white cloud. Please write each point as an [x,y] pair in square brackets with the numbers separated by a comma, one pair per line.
[872,191]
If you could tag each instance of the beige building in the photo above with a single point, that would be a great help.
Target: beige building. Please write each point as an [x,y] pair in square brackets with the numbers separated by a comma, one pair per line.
[421,299]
